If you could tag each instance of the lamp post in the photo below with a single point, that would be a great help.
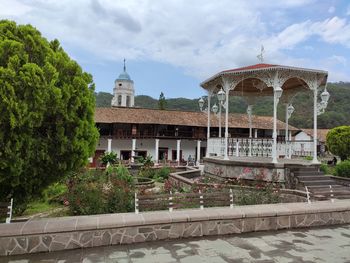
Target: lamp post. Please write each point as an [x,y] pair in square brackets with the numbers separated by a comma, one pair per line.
[289,111]
[319,108]
[221,97]
[277,93]
[201,105]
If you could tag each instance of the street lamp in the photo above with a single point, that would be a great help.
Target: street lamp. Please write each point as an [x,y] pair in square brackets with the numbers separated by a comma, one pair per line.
[221,97]
[216,108]
[321,106]
[201,104]
[289,111]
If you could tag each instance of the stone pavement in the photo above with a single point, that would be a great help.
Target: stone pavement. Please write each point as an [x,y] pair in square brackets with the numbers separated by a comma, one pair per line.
[327,244]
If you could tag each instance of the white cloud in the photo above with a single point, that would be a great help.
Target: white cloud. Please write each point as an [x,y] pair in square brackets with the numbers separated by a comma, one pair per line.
[199,36]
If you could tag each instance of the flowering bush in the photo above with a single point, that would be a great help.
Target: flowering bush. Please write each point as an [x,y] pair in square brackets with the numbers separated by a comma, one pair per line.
[97,192]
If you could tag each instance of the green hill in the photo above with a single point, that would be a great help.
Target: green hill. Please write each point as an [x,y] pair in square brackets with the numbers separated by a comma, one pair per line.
[337,112]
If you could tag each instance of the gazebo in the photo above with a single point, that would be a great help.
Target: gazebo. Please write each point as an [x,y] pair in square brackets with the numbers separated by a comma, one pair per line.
[252,82]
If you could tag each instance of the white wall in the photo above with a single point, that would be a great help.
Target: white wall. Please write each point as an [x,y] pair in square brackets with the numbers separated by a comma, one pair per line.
[303,141]
[188,147]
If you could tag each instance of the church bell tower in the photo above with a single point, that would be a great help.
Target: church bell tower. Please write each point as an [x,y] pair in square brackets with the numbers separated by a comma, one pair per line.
[123,91]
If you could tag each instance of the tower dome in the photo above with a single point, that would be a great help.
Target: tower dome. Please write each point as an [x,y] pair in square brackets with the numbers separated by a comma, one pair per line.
[123,90]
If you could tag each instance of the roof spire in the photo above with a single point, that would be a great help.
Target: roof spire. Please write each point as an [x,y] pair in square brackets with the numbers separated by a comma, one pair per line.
[124,66]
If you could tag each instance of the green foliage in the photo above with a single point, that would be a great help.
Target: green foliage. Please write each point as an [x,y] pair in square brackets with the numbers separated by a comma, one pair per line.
[162,101]
[47,113]
[263,196]
[308,158]
[109,157]
[96,192]
[342,169]
[162,173]
[338,141]
[103,99]
[146,161]
[324,168]
[55,192]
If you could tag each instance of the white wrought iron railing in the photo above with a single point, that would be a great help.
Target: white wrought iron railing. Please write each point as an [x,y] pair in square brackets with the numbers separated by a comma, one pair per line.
[258,147]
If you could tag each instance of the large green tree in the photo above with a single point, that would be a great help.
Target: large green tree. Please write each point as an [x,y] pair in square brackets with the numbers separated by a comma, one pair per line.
[338,141]
[47,113]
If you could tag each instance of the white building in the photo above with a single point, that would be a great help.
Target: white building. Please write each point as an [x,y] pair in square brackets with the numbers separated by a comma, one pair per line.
[168,135]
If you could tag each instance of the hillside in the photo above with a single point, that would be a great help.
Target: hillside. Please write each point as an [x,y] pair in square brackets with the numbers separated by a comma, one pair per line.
[337,113]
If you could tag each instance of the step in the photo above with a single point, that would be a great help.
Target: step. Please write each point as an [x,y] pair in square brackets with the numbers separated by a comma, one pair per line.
[313,177]
[336,186]
[302,173]
[319,183]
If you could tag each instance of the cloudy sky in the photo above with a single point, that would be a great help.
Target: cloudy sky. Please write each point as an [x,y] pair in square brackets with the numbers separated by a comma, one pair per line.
[173,45]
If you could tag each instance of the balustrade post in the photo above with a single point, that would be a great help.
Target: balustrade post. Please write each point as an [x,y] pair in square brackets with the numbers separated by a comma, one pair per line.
[231,198]
[136,204]
[237,148]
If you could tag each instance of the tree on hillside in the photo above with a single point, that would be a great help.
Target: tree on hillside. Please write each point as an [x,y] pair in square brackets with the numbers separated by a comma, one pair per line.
[338,141]
[47,113]
[161,101]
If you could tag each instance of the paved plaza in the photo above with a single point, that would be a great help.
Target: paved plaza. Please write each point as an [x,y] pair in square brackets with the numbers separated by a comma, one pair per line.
[330,244]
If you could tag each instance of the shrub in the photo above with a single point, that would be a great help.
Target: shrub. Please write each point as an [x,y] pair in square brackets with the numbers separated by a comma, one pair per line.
[342,169]
[95,192]
[163,173]
[109,158]
[55,193]
[338,141]
[324,168]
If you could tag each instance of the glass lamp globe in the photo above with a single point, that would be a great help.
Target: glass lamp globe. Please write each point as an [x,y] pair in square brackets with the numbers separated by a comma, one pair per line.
[278,91]
[221,95]
[325,96]
[215,108]
[201,103]
[290,110]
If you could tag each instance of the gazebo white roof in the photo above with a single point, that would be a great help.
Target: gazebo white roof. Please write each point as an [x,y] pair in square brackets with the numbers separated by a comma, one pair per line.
[258,79]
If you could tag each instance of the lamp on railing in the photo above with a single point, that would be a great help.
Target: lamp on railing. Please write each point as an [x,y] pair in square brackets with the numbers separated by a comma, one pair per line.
[321,106]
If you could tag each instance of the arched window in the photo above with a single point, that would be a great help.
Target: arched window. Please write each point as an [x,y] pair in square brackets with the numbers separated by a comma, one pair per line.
[127,101]
[119,100]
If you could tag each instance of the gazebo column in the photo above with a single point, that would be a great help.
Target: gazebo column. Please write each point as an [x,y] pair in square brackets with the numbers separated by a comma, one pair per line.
[178,144]
[208,126]
[249,112]
[227,91]
[157,151]
[198,152]
[133,148]
[277,92]
[314,160]
[109,145]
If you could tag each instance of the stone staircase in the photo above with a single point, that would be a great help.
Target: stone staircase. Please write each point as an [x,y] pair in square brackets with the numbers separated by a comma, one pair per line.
[320,186]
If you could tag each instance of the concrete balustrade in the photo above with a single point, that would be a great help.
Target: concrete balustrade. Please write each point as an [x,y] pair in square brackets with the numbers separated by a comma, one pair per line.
[112,229]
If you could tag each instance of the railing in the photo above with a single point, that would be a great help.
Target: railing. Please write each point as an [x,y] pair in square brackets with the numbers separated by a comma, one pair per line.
[173,201]
[258,147]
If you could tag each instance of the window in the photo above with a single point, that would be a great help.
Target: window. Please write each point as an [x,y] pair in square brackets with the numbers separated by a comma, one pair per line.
[127,101]
[119,100]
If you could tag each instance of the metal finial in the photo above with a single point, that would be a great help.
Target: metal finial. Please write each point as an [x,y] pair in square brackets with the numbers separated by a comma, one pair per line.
[124,65]
[261,55]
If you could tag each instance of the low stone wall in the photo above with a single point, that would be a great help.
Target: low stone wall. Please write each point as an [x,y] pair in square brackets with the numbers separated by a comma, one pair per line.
[113,229]
[247,170]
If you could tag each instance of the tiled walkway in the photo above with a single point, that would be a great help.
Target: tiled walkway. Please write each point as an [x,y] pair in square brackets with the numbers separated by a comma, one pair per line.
[314,245]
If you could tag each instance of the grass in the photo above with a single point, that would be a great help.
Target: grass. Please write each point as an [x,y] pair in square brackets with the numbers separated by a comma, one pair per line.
[39,206]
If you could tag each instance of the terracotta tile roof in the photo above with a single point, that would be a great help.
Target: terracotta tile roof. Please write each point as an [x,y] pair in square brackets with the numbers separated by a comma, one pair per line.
[321,133]
[185,118]
[256,66]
